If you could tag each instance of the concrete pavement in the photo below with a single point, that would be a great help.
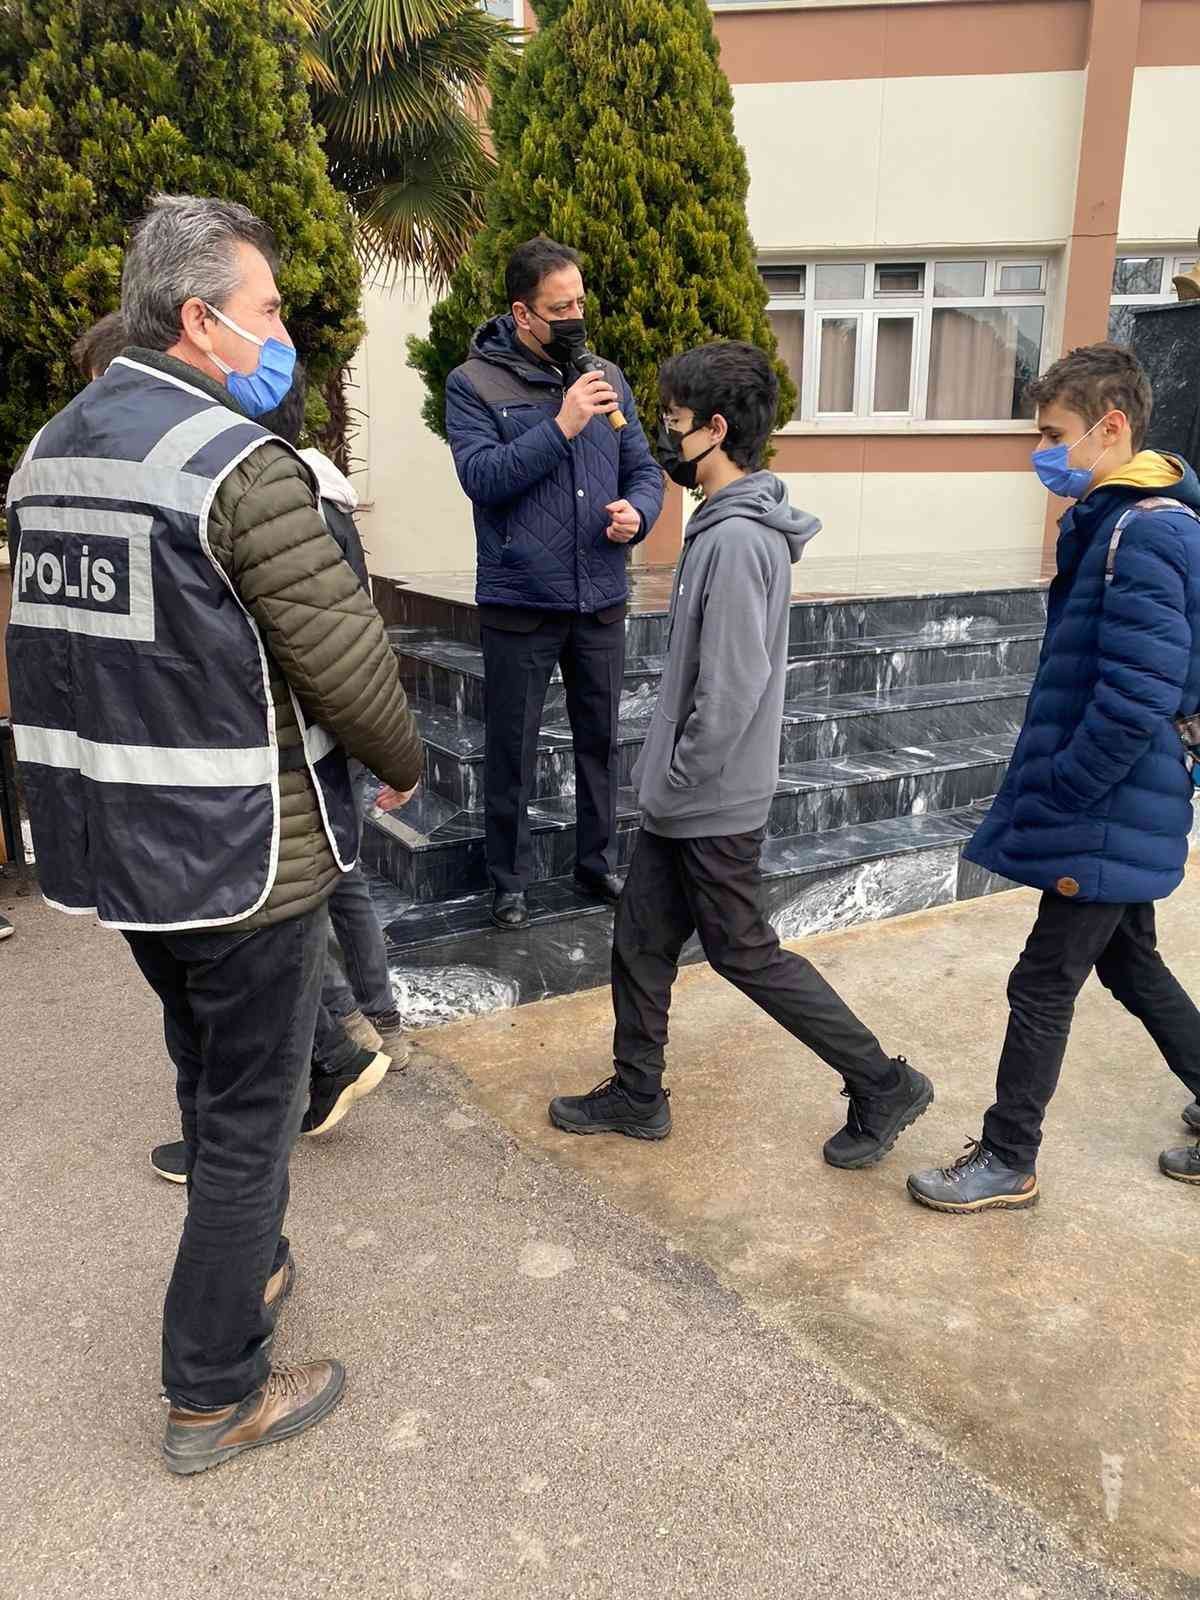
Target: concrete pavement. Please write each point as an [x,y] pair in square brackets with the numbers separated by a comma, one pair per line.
[1049,1349]
[583,1369]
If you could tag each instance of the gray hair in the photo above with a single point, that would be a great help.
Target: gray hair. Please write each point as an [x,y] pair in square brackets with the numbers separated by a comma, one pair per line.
[184,247]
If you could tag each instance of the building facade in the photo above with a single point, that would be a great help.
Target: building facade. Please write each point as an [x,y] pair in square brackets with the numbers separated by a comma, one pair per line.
[945,195]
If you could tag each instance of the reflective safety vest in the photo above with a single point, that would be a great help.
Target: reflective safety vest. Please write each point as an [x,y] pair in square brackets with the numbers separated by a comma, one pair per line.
[141,696]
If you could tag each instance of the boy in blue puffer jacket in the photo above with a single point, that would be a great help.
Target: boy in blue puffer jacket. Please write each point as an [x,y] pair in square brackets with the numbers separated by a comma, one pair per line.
[1097,806]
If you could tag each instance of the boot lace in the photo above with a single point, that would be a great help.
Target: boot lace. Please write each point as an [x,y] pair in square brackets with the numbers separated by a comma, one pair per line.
[973,1152]
[284,1383]
[611,1089]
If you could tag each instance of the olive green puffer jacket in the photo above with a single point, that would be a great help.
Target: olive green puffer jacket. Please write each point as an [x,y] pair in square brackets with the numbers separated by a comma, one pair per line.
[323,637]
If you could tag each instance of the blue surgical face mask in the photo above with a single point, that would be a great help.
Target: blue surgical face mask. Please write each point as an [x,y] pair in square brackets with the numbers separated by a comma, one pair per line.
[1053,468]
[259,391]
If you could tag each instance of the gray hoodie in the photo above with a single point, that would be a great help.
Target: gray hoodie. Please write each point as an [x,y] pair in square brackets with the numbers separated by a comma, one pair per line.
[710,763]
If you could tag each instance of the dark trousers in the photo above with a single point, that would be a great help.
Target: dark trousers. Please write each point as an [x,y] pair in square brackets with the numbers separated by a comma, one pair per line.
[1068,941]
[367,983]
[517,669]
[713,886]
[239,1010]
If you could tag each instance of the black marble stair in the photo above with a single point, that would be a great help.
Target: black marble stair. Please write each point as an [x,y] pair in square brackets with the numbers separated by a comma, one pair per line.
[816,618]
[447,674]
[434,851]
[448,961]
[902,710]
[815,725]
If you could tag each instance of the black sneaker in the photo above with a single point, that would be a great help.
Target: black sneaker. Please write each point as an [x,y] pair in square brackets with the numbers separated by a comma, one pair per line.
[170,1161]
[875,1121]
[1182,1165]
[608,1109]
[333,1093]
[1191,1115]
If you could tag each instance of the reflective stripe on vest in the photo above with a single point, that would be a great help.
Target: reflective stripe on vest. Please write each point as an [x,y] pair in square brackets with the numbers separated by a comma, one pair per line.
[164,765]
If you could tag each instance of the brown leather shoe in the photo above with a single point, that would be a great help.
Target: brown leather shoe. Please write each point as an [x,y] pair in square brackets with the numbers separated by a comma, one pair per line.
[279,1285]
[292,1399]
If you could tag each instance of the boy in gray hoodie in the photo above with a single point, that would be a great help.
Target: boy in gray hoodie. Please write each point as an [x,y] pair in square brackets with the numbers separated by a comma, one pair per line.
[709,769]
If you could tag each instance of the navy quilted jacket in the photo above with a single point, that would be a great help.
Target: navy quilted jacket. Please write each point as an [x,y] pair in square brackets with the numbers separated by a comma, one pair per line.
[1097,804]
[539,498]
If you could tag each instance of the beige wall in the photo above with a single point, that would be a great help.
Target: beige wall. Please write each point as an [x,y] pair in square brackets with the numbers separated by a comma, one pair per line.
[869,162]
[416,518]
[903,513]
[1161,196]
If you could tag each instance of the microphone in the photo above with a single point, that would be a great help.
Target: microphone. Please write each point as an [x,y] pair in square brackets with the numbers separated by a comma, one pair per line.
[585,361]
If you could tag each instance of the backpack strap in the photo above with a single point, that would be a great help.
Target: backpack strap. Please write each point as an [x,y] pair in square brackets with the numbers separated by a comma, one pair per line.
[1156,502]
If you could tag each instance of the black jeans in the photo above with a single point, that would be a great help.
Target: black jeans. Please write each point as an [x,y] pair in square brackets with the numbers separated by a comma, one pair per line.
[1067,942]
[239,1010]
[713,886]
[517,670]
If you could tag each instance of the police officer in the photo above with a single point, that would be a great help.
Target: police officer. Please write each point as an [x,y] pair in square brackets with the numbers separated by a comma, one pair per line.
[559,495]
[191,660]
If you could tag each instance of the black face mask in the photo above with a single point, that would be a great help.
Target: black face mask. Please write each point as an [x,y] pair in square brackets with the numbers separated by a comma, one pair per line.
[672,460]
[568,338]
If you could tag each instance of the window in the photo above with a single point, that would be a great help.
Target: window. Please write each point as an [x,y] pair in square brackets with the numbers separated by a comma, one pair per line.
[938,341]
[1142,281]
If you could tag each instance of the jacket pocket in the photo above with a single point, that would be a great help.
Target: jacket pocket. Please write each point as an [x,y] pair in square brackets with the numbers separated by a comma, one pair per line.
[657,795]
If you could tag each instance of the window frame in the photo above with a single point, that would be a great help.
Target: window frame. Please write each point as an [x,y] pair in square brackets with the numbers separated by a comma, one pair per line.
[1176,259]
[920,307]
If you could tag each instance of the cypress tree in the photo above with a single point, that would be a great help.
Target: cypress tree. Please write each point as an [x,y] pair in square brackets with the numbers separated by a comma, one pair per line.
[614,134]
[105,102]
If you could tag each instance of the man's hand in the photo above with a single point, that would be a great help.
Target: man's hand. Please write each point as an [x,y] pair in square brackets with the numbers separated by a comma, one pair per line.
[389,799]
[592,396]
[626,522]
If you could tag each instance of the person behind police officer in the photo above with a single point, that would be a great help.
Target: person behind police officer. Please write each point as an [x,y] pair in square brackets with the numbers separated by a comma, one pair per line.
[191,659]
[559,496]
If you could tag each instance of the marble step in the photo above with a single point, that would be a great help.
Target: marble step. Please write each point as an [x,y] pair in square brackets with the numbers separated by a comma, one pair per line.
[814,726]
[434,851]
[829,617]
[448,962]
[449,673]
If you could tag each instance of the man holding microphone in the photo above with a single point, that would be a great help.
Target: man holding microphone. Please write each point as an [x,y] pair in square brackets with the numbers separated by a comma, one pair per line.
[548,448]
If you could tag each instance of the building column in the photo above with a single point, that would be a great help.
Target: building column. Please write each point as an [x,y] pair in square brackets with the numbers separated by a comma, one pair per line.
[1103,135]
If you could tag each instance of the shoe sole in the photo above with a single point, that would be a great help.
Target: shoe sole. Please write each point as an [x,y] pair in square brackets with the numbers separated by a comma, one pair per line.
[6,933]
[611,1127]
[184,1466]
[369,1078]
[915,1109]
[509,927]
[168,1177]
[999,1202]
[1178,1177]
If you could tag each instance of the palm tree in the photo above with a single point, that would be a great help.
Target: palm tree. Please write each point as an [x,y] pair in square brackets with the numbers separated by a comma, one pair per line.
[398,86]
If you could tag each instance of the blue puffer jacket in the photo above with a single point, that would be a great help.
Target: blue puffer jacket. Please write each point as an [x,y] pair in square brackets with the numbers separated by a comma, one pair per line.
[1097,804]
[539,498]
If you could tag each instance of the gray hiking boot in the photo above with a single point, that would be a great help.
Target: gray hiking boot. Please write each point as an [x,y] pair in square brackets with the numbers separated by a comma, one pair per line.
[1182,1165]
[1191,1115]
[978,1181]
